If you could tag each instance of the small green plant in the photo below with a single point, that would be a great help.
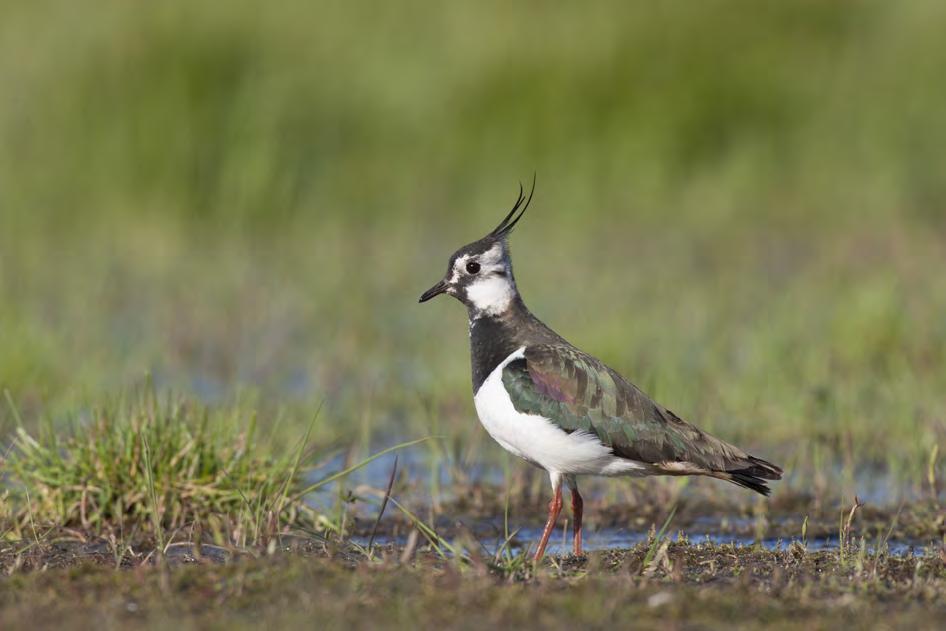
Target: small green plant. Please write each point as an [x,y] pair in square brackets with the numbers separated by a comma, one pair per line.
[649,565]
[844,532]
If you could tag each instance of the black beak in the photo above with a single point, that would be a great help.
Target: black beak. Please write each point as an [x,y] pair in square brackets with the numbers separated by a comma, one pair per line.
[436,290]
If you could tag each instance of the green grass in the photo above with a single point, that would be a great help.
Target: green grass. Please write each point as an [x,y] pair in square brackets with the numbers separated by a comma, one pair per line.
[156,468]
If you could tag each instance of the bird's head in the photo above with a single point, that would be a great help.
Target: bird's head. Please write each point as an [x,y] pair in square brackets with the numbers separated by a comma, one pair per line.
[480,274]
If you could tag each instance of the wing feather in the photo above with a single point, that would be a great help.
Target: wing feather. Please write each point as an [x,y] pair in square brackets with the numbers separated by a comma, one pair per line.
[579,393]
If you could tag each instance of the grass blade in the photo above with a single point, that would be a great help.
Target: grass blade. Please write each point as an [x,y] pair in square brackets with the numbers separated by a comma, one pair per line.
[384,504]
[152,494]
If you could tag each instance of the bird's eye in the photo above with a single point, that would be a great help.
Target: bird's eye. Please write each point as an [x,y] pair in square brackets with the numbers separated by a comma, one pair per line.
[472,267]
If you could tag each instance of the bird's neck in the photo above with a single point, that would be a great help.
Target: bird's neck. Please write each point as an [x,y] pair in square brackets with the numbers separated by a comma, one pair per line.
[494,337]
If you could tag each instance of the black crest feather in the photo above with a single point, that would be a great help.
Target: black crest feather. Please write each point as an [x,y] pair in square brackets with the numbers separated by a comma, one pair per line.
[509,221]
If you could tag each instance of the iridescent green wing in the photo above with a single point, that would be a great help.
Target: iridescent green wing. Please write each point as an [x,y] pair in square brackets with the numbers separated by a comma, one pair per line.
[577,392]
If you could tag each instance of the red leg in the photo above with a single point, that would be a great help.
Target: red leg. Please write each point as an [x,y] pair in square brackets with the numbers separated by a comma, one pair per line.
[577,506]
[555,507]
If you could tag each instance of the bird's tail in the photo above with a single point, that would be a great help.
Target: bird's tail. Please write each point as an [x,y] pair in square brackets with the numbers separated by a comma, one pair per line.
[752,476]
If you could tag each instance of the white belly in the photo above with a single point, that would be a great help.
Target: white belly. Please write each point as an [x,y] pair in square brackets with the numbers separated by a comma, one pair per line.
[540,441]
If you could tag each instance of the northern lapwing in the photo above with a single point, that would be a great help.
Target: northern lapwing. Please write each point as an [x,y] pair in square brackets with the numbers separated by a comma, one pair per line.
[558,407]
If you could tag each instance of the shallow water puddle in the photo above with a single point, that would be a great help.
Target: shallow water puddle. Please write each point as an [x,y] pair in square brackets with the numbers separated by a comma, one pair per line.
[619,538]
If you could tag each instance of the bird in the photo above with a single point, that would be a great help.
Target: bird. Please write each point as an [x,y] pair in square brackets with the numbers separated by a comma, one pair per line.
[560,408]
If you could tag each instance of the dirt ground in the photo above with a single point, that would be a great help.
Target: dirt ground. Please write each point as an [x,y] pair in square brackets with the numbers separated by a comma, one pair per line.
[311,582]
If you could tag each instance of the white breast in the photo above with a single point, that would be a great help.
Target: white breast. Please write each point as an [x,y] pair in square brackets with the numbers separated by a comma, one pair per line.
[540,441]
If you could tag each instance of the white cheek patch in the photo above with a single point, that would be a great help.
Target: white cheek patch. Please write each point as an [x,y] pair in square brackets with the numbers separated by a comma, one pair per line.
[491,294]
[457,268]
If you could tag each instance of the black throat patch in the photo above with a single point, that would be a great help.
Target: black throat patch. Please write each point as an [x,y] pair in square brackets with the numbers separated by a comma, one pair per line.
[492,339]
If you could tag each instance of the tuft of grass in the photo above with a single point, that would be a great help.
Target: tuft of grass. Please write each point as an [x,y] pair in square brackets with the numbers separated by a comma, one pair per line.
[156,467]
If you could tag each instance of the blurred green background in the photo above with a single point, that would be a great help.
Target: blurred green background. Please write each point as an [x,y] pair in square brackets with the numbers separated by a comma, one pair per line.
[741,205]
